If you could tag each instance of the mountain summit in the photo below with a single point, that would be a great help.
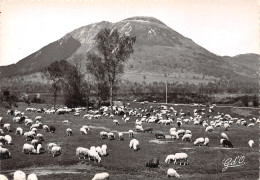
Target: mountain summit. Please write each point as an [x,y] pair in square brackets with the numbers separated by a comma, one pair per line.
[158,50]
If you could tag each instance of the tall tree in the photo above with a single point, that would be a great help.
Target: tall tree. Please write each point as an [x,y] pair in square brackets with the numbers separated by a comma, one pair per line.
[115,50]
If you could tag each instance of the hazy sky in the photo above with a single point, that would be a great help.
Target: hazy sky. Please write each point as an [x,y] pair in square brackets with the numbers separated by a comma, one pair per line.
[224,27]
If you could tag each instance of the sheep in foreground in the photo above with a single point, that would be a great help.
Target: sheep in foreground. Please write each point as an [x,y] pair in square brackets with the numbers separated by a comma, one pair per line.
[50,145]
[92,154]
[174,135]
[19,175]
[83,131]
[251,143]
[56,151]
[2,177]
[134,143]
[7,127]
[8,139]
[82,151]
[101,176]
[181,158]
[226,143]
[4,153]
[153,163]
[224,136]
[199,141]
[69,132]
[32,177]
[28,149]
[172,173]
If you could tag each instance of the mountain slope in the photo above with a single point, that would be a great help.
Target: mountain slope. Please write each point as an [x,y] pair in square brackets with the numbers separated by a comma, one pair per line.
[158,50]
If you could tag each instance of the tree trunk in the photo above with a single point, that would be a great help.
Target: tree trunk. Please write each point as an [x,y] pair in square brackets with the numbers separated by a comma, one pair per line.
[111,94]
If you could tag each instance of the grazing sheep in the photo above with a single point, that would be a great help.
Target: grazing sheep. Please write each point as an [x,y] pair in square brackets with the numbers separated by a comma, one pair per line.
[50,145]
[37,126]
[139,128]
[187,137]
[134,143]
[56,151]
[181,157]
[103,135]
[83,131]
[86,127]
[46,128]
[28,148]
[7,127]
[35,142]
[153,163]
[52,129]
[19,175]
[38,118]
[8,139]
[172,129]
[127,119]
[120,135]
[181,132]
[32,177]
[131,133]
[29,135]
[69,132]
[224,136]
[1,132]
[170,158]
[174,135]
[82,151]
[99,150]
[226,143]
[101,176]
[19,131]
[251,143]
[111,136]
[4,153]
[148,129]
[206,142]
[209,129]
[226,126]
[104,150]
[39,137]
[172,173]
[94,155]
[2,177]
[3,140]
[179,123]
[199,141]
[38,149]
[65,121]
[115,122]
[250,125]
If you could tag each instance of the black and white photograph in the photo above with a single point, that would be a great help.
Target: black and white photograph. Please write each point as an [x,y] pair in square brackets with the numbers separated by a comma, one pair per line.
[129,89]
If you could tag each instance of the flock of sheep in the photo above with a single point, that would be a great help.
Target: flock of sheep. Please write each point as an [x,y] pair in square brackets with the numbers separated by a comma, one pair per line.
[161,115]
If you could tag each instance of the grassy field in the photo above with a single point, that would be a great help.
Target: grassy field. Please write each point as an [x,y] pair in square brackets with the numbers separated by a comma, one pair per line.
[125,163]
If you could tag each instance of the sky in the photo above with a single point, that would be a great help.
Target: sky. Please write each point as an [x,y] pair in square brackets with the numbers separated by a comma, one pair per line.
[224,27]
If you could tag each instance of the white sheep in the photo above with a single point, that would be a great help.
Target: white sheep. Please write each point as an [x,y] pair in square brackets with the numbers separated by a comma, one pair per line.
[103,135]
[187,132]
[127,119]
[3,140]
[101,176]
[172,129]
[187,137]
[170,158]
[8,139]
[104,150]
[1,131]
[172,173]
[46,128]
[38,118]
[86,127]
[3,177]
[251,143]
[39,137]
[56,151]
[120,136]
[82,151]
[50,145]
[115,122]
[111,135]
[69,132]
[209,129]
[251,124]
[19,175]
[93,154]
[181,132]
[199,141]
[7,127]
[224,136]
[19,131]
[99,150]
[134,143]
[28,148]
[206,141]
[38,149]
[226,126]
[32,177]
[174,135]
[4,153]
[181,157]
[83,131]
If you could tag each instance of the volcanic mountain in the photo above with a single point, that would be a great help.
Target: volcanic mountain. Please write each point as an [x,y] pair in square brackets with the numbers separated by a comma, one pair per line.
[159,50]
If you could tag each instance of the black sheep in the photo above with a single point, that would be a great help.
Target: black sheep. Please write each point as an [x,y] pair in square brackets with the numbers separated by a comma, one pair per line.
[226,142]
[52,129]
[153,163]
